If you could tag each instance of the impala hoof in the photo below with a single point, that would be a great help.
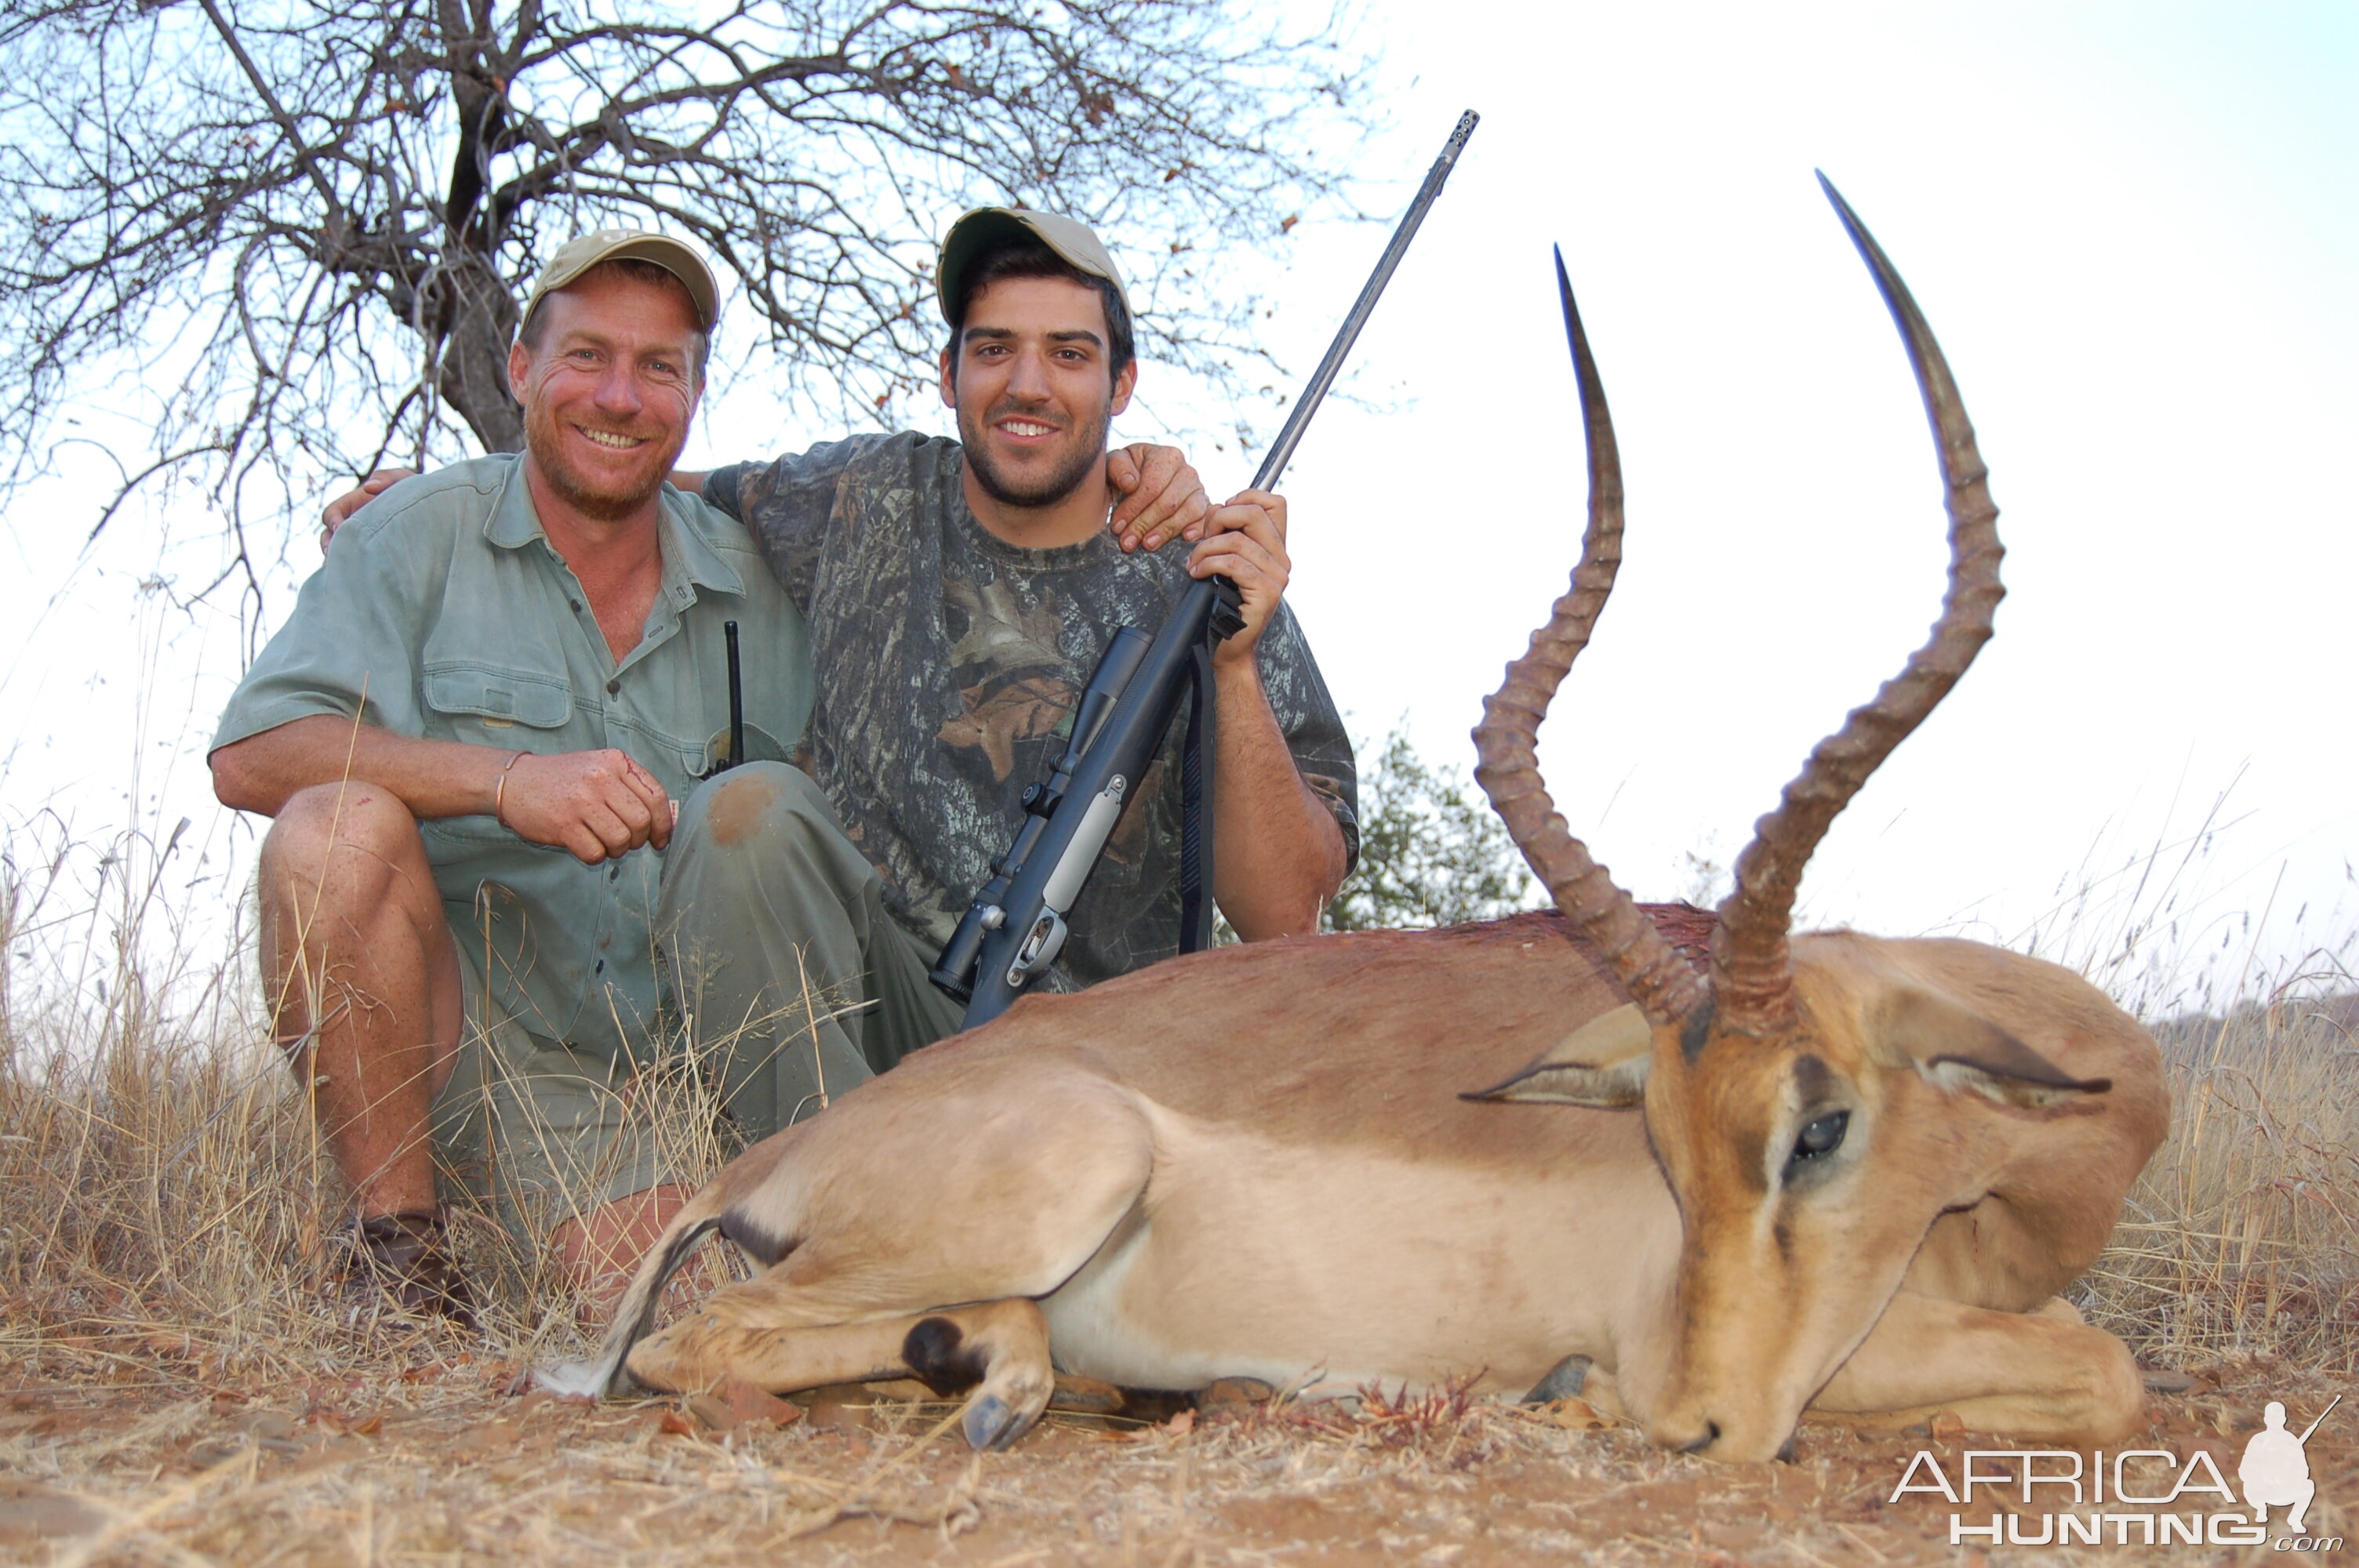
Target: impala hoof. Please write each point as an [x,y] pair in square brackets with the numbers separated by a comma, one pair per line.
[990,1423]
[1565,1380]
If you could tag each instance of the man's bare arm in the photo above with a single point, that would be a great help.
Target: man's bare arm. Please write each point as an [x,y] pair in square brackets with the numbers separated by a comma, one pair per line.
[1278,853]
[597,804]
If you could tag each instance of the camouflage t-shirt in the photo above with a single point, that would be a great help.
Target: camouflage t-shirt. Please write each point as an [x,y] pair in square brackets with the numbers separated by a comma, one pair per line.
[947,664]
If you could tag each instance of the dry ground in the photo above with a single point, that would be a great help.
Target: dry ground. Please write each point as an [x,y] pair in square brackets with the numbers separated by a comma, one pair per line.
[175,1387]
[137,1461]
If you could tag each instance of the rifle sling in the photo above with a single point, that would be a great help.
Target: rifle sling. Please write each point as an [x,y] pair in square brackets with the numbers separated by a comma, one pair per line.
[1195,791]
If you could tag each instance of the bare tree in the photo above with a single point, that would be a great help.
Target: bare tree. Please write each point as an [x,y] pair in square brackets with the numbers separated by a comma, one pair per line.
[328,212]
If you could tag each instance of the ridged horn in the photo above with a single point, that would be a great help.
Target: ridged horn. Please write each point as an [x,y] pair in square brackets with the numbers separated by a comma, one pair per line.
[1662,983]
[1753,977]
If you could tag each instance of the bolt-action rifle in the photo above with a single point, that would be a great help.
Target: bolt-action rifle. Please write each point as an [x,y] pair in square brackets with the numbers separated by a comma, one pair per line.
[1016,926]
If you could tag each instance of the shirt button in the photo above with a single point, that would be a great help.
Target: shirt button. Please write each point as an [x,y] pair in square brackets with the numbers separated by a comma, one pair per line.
[615,872]
[577,605]
[614,688]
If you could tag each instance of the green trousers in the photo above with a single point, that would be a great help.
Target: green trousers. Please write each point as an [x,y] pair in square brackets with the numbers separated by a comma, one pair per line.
[794,982]
[783,975]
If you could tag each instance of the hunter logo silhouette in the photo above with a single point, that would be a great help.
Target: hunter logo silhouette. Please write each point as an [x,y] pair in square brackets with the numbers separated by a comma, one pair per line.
[2275,1471]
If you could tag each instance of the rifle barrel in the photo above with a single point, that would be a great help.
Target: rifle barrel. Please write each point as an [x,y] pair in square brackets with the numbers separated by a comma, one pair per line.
[1290,433]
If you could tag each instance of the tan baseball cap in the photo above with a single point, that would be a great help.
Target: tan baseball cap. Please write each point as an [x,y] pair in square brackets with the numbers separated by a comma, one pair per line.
[583,252]
[985,227]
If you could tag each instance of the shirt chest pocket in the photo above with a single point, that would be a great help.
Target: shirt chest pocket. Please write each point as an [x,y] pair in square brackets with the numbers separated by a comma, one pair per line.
[486,704]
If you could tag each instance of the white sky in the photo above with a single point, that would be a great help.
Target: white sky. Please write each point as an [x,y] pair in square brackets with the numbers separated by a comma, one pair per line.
[2134,229]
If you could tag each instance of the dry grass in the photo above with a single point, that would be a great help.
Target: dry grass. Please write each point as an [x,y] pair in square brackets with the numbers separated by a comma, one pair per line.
[2243,1237]
[178,1383]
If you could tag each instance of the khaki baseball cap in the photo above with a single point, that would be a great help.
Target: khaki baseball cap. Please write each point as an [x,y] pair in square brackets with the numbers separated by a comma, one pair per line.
[986,228]
[583,252]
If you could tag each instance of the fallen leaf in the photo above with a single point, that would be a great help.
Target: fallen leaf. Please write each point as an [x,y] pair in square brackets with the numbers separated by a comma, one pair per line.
[676,1424]
[1578,1414]
[827,1415]
[1947,1427]
[1230,1393]
[748,1402]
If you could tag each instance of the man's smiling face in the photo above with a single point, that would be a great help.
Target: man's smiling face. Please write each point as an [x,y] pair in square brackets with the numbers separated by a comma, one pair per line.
[1030,380]
[609,389]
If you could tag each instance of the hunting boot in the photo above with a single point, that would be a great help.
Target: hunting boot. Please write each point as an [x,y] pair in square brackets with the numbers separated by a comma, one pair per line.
[403,1260]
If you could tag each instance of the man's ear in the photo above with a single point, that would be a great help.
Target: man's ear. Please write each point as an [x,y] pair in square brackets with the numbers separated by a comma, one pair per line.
[519,369]
[1602,1065]
[1956,1048]
[1124,382]
[950,374]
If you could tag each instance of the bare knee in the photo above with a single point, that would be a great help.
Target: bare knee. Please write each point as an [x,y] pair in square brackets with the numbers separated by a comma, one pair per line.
[344,842]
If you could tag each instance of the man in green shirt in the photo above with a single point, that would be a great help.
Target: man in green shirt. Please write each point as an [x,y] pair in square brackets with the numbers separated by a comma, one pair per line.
[472,733]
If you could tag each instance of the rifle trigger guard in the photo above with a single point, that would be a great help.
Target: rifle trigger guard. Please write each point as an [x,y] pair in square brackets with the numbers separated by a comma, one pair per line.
[1041,945]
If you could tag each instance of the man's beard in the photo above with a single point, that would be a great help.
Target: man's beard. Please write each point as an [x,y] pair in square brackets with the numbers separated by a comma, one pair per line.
[546,442]
[1088,455]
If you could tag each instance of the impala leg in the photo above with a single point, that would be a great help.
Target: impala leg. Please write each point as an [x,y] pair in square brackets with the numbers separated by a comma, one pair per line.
[762,1331]
[2041,1375]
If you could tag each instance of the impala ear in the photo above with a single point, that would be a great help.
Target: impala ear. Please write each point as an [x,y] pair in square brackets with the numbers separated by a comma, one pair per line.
[1602,1065]
[1957,1048]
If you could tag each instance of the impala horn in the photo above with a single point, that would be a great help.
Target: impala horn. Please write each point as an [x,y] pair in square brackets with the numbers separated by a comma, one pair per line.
[1752,967]
[1661,982]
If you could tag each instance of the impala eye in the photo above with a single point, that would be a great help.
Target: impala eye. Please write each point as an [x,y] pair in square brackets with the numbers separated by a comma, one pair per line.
[1821,1138]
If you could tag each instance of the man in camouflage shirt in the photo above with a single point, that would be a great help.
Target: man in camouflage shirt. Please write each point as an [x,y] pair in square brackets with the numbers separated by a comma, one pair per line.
[958,596]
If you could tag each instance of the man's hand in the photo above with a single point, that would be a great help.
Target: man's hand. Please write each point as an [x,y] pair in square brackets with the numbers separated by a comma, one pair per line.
[351,500]
[1162,497]
[599,804]
[1244,541]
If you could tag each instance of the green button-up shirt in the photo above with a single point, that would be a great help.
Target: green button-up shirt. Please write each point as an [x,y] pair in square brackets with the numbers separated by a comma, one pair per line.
[443,614]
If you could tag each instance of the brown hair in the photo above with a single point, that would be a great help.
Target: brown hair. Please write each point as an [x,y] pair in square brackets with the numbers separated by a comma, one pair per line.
[1032,258]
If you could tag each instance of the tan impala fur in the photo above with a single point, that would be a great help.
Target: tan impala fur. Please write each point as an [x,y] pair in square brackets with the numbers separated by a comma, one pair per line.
[1863,1170]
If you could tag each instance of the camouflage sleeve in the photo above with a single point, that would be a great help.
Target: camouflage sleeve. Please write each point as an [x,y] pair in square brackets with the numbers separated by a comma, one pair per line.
[1314,731]
[787,503]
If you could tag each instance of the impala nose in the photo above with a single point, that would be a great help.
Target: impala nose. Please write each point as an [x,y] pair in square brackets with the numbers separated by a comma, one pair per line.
[1711,1435]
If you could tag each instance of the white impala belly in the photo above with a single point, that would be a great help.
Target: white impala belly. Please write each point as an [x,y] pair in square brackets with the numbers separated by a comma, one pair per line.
[1348,1265]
